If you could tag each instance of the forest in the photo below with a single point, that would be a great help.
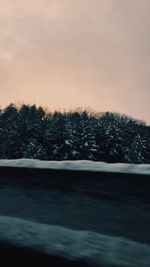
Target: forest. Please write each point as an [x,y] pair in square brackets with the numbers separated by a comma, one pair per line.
[29,131]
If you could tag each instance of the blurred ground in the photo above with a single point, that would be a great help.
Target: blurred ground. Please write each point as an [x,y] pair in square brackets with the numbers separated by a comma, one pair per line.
[128,217]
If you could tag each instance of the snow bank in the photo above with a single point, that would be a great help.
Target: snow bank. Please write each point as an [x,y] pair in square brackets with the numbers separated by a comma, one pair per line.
[80,165]
[87,247]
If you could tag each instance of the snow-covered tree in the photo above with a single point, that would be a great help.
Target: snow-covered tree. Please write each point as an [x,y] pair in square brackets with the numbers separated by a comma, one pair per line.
[34,150]
[30,132]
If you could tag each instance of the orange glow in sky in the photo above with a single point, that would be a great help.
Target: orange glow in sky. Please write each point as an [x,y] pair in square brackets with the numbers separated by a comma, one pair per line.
[68,54]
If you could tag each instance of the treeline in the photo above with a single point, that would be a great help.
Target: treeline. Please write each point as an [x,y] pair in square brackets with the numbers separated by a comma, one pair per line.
[30,132]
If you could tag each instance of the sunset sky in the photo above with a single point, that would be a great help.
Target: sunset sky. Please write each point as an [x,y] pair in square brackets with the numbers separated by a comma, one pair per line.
[76,53]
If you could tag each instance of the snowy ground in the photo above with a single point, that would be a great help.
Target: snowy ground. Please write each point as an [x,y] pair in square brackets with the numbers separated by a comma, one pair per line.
[128,217]
[79,165]
[84,247]
[100,204]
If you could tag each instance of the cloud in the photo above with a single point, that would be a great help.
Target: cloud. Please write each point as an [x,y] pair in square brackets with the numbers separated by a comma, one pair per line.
[87,52]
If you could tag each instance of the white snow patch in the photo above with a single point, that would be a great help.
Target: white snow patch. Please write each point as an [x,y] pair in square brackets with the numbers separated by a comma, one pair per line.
[79,165]
[90,247]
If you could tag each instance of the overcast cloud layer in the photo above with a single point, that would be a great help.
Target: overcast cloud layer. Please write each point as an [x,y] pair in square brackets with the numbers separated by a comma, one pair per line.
[71,53]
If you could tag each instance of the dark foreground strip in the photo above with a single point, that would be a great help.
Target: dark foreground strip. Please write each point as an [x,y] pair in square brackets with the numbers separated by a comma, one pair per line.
[26,257]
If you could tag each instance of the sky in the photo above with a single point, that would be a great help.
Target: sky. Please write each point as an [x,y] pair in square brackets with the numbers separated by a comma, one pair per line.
[64,54]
